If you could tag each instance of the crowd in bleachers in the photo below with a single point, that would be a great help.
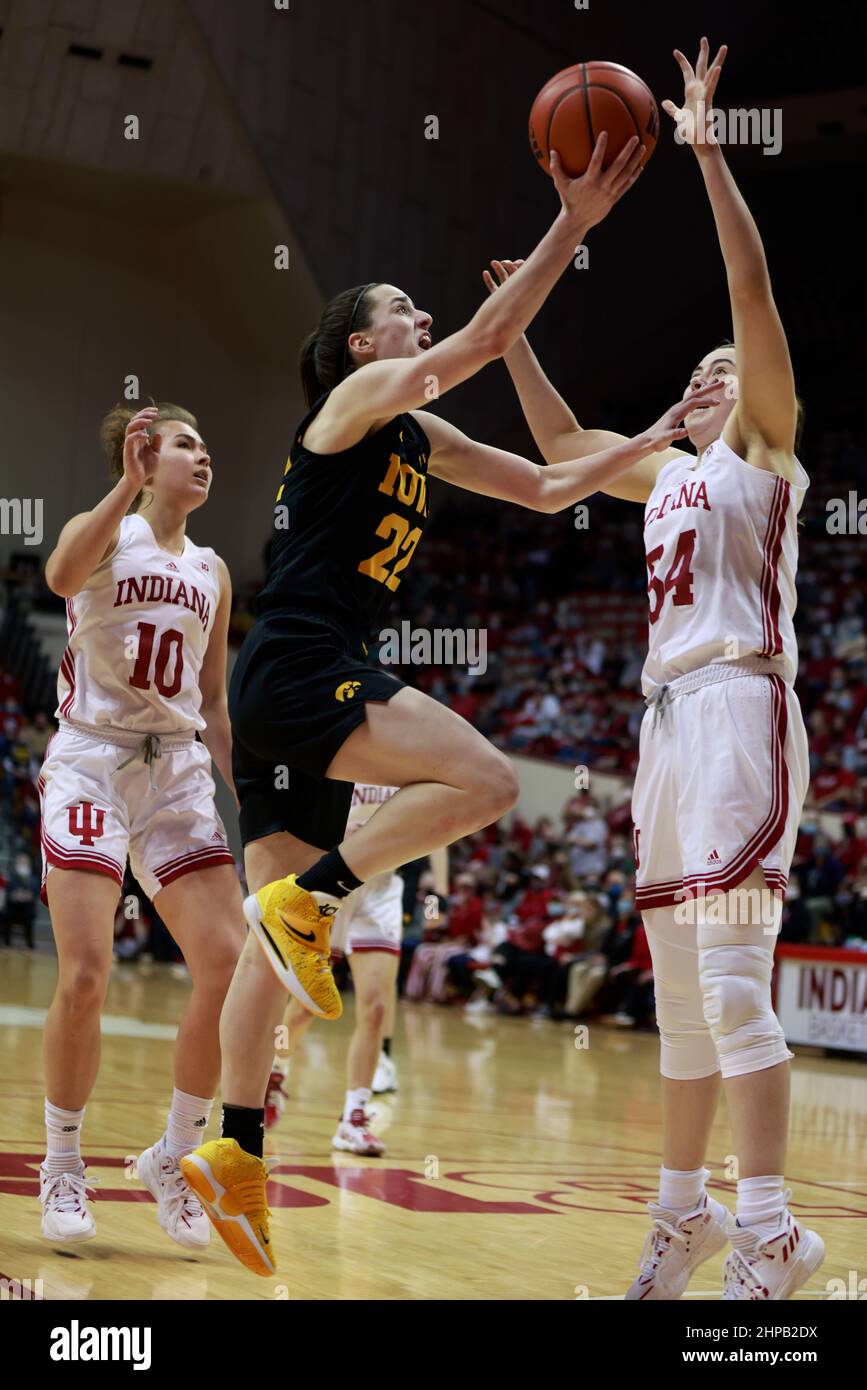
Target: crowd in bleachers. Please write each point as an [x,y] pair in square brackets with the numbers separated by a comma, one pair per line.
[23,741]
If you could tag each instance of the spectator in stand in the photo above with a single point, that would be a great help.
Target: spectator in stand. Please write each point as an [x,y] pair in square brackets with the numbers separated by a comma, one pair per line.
[22,892]
[821,873]
[854,911]
[819,877]
[796,923]
[589,970]
[632,982]
[37,735]
[521,960]
[834,787]
[428,974]
[563,944]
[589,840]
[852,850]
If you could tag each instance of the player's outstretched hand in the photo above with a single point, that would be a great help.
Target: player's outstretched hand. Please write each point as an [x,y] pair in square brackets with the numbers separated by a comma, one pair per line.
[502,270]
[139,454]
[694,119]
[669,426]
[586,200]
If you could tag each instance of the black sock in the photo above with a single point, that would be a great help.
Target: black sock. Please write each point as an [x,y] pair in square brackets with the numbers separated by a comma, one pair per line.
[386,1046]
[329,875]
[245,1124]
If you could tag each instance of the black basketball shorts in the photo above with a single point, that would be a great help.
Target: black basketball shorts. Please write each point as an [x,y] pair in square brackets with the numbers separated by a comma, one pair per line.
[298,689]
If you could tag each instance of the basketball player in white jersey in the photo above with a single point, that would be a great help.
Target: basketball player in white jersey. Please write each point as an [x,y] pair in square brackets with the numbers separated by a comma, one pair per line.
[723,769]
[143,673]
[367,929]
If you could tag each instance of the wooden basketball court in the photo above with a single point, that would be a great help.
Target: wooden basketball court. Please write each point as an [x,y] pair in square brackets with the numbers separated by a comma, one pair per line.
[518,1166]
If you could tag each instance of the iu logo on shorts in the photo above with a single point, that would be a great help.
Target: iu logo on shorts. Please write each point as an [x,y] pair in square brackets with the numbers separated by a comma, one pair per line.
[86,822]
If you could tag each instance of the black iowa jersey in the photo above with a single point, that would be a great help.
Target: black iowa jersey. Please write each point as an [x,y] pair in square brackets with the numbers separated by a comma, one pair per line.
[347,525]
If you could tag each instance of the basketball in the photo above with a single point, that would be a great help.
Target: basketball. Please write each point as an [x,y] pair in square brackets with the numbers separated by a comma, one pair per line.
[577,104]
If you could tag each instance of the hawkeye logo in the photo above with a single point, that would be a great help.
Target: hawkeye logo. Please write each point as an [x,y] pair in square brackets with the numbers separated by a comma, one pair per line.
[347,690]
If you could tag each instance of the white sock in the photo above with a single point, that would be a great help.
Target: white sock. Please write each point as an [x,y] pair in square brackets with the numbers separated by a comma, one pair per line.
[682,1191]
[187,1122]
[356,1100]
[760,1203]
[63,1128]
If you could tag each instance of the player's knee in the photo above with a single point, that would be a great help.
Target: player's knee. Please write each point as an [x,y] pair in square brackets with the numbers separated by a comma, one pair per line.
[499,786]
[82,987]
[371,1013]
[736,992]
[220,963]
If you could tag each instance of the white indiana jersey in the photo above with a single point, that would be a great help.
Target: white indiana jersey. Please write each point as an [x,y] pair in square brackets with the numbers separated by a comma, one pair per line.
[365,799]
[138,631]
[721,544]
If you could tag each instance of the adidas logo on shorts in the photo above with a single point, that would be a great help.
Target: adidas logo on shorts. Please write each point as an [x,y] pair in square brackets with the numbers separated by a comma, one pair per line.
[713,857]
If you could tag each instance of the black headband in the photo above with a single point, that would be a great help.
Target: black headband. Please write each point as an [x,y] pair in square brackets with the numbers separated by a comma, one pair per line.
[361,295]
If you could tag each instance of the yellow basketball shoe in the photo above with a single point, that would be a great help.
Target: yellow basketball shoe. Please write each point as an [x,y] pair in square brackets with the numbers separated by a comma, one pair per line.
[293,927]
[230,1184]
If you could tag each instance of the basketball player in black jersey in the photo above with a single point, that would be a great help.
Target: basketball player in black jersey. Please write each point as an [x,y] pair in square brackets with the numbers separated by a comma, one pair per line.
[309,716]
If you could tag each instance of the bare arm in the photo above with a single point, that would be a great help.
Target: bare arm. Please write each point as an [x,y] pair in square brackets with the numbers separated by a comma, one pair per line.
[217,734]
[89,538]
[767,409]
[555,429]
[491,472]
[383,389]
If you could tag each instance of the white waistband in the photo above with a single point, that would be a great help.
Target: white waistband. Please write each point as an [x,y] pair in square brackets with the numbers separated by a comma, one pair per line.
[709,675]
[124,738]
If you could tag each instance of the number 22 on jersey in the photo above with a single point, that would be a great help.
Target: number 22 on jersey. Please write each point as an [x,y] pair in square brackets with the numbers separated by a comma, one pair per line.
[411,490]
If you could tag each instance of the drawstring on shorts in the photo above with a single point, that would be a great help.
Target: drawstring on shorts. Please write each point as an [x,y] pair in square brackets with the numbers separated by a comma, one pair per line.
[149,749]
[658,702]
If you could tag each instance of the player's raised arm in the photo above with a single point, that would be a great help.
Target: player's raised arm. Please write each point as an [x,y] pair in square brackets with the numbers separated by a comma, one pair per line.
[554,427]
[89,538]
[464,462]
[390,385]
[767,408]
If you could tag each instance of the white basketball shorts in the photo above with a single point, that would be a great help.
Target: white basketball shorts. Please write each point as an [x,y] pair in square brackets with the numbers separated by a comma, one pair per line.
[371,918]
[162,815]
[721,780]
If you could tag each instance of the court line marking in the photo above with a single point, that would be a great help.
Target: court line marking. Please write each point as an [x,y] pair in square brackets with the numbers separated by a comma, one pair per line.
[112,1025]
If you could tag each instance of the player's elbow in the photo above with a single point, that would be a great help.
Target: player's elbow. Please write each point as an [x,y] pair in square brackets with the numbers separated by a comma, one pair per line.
[58,581]
[550,499]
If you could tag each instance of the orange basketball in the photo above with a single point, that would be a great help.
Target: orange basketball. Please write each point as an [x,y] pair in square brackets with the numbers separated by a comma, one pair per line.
[573,109]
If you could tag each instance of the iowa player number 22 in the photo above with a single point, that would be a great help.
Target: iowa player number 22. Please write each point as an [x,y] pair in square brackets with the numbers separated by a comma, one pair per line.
[403,542]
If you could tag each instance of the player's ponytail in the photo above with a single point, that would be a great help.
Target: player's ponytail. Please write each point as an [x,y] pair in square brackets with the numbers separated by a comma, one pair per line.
[325,358]
[112,433]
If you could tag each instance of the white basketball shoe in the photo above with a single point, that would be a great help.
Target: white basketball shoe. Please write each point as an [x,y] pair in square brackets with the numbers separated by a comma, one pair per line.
[353,1136]
[676,1246]
[65,1212]
[770,1268]
[385,1078]
[179,1210]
